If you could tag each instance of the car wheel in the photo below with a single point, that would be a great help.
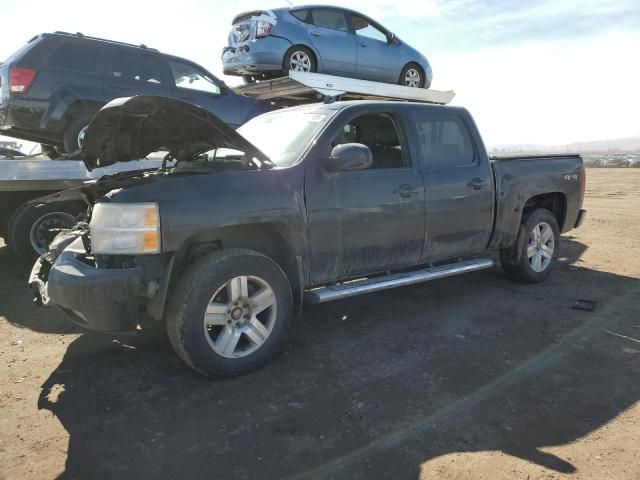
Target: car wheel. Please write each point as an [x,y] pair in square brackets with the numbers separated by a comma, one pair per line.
[530,258]
[230,312]
[74,136]
[32,228]
[412,76]
[299,59]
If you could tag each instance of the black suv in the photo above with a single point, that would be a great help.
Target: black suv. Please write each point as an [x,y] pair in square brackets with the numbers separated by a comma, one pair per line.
[52,87]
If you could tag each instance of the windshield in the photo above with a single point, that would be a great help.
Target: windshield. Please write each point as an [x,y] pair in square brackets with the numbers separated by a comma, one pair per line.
[281,135]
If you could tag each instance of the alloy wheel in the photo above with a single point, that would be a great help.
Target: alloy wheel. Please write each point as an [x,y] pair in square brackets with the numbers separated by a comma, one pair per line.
[300,61]
[240,316]
[412,78]
[540,247]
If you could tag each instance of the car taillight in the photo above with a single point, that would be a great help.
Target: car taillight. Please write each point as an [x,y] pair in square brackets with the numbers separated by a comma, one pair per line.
[20,79]
[262,28]
[583,183]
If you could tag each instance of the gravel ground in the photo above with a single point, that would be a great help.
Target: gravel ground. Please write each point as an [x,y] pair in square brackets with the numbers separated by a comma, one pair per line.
[470,377]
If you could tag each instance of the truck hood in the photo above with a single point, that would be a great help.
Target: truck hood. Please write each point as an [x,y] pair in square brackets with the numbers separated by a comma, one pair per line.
[131,128]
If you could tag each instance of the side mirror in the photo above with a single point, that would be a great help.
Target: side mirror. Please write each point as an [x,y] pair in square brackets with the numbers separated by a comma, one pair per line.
[392,37]
[349,156]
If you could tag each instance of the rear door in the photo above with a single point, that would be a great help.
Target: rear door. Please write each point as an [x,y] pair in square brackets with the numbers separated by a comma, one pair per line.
[193,84]
[458,183]
[330,34]
[134,72]
[370,220]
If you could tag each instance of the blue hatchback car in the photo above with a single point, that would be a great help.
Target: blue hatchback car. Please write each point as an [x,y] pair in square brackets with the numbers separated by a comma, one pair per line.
[267,44]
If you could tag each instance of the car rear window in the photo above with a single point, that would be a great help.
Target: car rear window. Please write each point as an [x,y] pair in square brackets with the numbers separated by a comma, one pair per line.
[133,66]
[75,56]
[444,140]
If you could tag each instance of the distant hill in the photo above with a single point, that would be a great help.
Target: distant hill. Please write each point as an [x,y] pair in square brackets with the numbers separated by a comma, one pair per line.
[619,144]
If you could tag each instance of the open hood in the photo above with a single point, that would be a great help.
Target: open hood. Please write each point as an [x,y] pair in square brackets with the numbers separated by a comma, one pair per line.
[131,128]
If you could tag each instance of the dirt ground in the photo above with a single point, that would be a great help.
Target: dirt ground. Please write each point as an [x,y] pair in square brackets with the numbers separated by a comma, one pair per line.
[471,377]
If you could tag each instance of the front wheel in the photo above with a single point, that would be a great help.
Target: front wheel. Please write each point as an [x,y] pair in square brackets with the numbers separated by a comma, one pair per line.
[412,76]
[230,312]
[530,258]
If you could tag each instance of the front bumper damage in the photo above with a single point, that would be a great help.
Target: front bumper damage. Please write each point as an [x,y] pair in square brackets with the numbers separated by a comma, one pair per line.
[103,299]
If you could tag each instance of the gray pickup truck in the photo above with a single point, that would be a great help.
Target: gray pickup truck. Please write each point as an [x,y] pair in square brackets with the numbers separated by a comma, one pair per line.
[311,203]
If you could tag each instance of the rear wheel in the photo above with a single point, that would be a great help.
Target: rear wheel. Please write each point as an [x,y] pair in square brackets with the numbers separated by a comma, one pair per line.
[299,59]
[230,312]
[530,258]
[412,76]
[74,135]
[32,228]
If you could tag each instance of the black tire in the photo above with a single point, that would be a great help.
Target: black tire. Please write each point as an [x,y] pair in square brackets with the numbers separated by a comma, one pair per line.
[286,62]
[249,79]
[515,260]
[415,67]
[71,133]
[35,225]
[50,151]
[193,292]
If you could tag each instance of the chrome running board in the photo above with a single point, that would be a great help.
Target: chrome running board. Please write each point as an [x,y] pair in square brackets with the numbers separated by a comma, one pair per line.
[346,290]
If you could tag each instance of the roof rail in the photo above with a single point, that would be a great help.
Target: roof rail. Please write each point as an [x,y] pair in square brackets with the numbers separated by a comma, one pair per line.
[81,35]
[306,87]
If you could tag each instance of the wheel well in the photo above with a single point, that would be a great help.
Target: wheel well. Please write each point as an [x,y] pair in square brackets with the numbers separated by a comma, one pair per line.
[269,239]
[555,202]
[81,108]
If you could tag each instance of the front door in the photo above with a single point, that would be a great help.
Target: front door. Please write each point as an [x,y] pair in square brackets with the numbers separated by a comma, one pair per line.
[369,220]
[336,45]
[377,57]
[458,183]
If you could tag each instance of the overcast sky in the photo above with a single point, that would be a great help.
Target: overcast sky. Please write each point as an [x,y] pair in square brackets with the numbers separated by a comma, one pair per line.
[543,72]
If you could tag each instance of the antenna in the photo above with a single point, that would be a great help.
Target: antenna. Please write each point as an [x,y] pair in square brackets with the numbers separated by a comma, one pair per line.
[290,3]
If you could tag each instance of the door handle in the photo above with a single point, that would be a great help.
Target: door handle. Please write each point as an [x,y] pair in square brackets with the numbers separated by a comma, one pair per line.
[476,183]
[315,34]
[362,44]
[405,190]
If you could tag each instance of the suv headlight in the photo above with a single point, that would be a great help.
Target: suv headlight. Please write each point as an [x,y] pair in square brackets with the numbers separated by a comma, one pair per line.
[125,228]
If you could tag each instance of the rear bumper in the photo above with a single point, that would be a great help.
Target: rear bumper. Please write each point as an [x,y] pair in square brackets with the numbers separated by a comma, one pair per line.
[581,215]
[23,119]
[262,55]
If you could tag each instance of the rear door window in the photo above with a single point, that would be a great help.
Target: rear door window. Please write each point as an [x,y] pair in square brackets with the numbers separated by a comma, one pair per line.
[190,77]
[136,67]
[75,56]
[444,140]
[330,18]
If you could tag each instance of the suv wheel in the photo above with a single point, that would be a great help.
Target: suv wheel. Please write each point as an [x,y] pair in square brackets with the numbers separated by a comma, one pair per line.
[530,258]
[230,312]
[74,134]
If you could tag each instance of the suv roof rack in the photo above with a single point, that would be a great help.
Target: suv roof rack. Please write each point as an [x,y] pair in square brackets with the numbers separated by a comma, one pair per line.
[306,87]
[81,35]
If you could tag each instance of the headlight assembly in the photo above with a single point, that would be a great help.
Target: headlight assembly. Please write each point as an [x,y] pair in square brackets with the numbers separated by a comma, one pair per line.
[125,228]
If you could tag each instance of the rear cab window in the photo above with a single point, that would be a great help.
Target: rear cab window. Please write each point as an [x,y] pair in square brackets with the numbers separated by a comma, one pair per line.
[75,56]
[443,139]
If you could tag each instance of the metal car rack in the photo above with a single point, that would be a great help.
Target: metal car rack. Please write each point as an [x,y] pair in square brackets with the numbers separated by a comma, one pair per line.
[306,87]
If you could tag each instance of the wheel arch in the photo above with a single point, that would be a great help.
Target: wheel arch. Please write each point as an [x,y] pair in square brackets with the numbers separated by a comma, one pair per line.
[555,202]
[271,239]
